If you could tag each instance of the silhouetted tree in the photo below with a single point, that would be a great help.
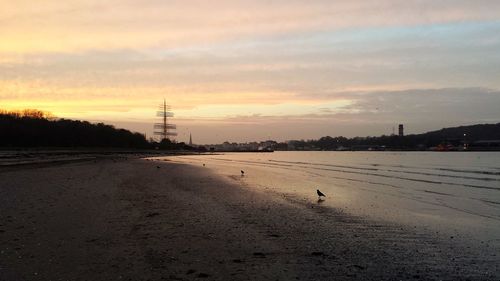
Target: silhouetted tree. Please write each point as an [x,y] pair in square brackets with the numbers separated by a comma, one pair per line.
[34,128]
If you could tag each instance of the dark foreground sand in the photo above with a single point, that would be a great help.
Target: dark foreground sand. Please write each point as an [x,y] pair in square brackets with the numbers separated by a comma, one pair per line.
[130,220]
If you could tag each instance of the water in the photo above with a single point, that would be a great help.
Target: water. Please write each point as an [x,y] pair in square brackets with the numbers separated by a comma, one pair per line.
[454,193]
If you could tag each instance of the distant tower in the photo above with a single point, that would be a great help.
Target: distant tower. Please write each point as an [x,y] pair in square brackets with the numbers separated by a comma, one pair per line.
[401,130]
[164,130]
[190,140]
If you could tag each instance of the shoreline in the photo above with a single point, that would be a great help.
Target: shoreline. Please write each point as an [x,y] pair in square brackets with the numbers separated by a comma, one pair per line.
[46,157]
[128,219]
[395,191]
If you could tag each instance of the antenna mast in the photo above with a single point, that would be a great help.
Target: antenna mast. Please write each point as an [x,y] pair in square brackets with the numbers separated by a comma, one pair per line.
[164,130]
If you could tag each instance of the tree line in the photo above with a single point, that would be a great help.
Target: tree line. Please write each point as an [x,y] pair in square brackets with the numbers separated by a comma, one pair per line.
[35,128]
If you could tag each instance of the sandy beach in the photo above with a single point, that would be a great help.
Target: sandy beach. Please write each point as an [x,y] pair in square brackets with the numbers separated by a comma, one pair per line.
[134,219]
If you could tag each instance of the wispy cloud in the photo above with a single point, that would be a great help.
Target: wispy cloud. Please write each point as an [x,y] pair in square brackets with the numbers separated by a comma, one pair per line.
[71,26]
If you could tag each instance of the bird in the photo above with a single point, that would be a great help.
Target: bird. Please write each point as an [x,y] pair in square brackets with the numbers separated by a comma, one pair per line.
[320,194]
[242,172]
[203,164]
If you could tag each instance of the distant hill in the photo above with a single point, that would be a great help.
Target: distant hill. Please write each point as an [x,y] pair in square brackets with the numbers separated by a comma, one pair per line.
[472,132]
[448,136]
[34,128]
[457,136]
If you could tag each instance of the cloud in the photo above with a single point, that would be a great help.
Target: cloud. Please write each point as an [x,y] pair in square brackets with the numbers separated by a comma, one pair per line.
[54,26]
[349,114]
[451,55]
[320,64]
[370,113]
[426,107]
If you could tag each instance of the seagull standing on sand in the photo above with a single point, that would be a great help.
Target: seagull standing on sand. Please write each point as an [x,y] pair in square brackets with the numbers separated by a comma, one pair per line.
[242,172]
[320,194]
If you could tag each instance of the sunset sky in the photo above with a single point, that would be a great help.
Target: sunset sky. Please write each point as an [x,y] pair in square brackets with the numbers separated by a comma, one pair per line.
[253,70]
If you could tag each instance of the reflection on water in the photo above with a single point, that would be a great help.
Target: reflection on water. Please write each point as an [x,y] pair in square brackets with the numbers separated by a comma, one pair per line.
[451,191]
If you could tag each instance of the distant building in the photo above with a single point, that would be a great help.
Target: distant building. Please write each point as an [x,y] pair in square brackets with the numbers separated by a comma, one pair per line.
[401,130]
[190,140]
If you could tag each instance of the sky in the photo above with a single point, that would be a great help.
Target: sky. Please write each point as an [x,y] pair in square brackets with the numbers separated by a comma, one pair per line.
[254,70]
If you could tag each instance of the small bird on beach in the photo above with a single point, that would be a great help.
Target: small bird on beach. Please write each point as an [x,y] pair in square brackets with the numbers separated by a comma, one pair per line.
[320,194]
[242,172]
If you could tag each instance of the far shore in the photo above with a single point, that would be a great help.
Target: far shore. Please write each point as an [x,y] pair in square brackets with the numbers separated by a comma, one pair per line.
[135,219]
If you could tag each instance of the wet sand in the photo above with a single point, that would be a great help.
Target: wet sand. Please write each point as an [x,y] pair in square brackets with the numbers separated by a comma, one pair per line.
[155,220]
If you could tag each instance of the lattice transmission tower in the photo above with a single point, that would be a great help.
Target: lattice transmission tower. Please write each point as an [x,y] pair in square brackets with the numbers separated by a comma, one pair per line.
[163,129]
